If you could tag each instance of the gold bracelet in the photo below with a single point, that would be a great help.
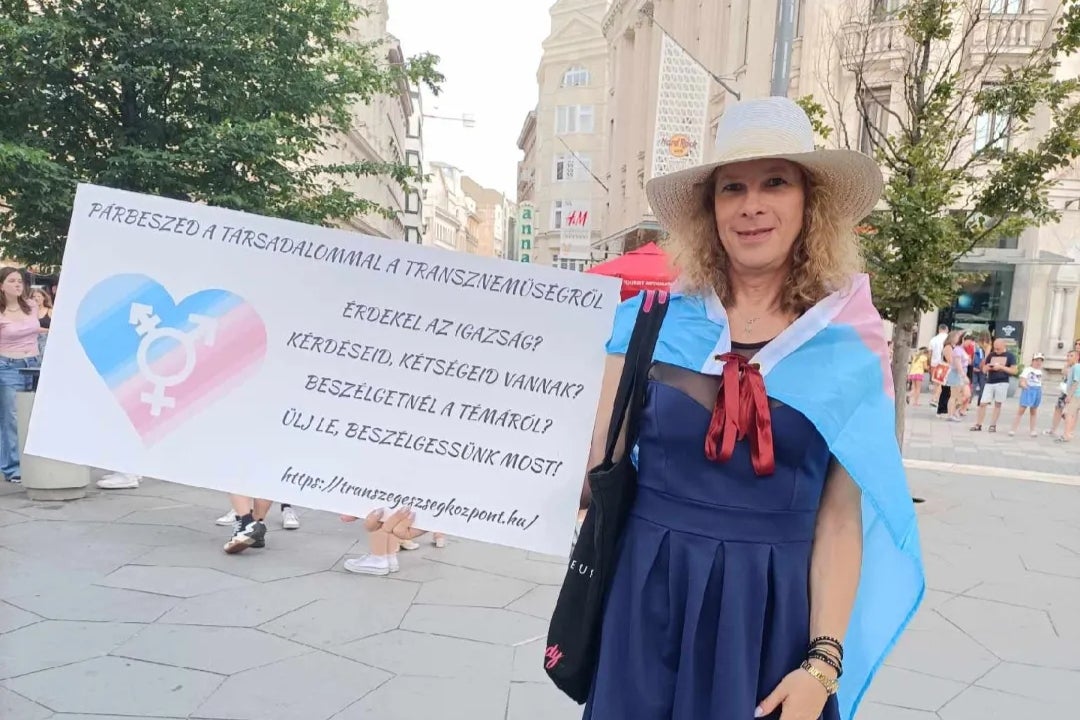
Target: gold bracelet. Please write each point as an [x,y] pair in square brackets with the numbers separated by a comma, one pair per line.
[830,685]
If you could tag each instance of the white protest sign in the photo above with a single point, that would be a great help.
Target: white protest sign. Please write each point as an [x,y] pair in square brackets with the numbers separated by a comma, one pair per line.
[323,368]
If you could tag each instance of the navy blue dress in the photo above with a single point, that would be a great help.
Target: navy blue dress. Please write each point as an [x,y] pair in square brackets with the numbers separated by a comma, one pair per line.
[709,607]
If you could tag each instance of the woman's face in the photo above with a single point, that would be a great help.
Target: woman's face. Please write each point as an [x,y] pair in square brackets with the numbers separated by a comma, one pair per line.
[759,207]
[12,286]
[38,297]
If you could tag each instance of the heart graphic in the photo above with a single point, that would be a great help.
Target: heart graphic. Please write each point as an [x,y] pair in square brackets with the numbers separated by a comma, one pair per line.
[165,361]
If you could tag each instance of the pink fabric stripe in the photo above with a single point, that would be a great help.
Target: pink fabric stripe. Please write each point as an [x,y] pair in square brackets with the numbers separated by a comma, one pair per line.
[861,316]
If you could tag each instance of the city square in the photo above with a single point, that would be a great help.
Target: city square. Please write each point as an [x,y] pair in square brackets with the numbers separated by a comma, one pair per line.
[121,605]
[375,277]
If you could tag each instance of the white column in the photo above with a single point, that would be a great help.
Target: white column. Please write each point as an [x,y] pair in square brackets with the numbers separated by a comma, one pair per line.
[1057,318]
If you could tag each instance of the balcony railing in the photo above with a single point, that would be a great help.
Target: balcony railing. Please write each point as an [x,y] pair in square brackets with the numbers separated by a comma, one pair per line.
[872,42]
[1010,34]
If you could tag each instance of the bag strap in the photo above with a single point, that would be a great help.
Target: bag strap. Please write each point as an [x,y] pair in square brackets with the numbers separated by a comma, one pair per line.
[635,373]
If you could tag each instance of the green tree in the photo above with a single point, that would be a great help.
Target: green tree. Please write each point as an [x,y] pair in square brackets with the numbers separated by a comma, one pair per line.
[954,137]
[226,102]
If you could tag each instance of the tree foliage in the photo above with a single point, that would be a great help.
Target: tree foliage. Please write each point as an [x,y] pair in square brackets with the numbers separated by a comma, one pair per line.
[226,102]
[963,168]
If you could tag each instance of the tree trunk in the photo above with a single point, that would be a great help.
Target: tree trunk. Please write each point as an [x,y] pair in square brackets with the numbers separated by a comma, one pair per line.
[901,342]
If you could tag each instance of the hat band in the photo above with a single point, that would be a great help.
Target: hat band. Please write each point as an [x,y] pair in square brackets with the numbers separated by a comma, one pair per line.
[761,142]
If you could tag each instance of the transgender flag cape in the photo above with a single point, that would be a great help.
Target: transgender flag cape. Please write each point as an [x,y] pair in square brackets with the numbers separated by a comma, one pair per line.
[832,365]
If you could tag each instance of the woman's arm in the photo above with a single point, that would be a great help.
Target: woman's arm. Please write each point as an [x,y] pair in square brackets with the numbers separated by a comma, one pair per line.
[609,387]
[834,578]
[837,557]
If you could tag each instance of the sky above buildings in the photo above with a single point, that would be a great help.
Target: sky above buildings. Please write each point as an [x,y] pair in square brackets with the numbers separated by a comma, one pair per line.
[489,51]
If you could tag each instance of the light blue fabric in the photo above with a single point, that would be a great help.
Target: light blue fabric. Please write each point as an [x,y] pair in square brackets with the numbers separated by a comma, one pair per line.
[837,382]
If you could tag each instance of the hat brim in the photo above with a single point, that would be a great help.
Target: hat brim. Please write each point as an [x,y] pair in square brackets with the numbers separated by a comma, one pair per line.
[854,181]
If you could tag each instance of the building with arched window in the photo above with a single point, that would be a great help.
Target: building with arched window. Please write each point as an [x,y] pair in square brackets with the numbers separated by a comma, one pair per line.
[673,67]
[564,140]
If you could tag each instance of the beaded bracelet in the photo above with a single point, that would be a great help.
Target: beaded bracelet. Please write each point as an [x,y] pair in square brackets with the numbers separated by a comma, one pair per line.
[828,641]
[828,660]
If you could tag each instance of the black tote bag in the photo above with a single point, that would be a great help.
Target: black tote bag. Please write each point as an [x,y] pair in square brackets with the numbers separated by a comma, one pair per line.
[573,641]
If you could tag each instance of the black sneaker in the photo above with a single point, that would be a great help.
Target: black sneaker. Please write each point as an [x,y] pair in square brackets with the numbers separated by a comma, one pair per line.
[253,535]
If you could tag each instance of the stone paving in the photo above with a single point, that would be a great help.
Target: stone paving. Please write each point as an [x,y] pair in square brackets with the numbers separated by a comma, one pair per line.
[929,438]
[123,605]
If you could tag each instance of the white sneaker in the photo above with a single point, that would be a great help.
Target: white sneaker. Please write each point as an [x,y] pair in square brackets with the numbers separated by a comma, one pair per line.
[394,566]
[227,519]
[289,520]
[410,545]
[439,541]
[119,481]
[368,565]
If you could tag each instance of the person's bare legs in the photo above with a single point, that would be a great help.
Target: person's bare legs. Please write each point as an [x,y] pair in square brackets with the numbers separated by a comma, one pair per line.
[996,415]
[1070,420]
[386,530]
[243,505]
[1056,421]
[916,392]
[250,529]
[1033,423]
[1016,421]
[980,416]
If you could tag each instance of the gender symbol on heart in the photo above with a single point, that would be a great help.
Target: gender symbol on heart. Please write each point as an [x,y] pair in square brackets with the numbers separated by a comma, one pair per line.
[165,361]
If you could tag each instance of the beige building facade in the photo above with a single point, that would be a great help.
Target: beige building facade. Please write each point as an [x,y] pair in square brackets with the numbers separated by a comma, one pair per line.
[495,213]
[673,66]
[1027,288]
[451,221]
[386,129]
[665,60]
[564,140]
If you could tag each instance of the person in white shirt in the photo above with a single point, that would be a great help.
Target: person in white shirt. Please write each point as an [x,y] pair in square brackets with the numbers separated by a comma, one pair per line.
[1030,394]
[937,349]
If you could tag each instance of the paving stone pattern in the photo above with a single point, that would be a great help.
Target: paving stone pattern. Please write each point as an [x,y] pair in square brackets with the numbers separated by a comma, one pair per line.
[928,437]
[123,605]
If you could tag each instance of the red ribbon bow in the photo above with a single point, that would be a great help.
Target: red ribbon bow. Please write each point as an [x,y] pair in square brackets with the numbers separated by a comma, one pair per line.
[741,407]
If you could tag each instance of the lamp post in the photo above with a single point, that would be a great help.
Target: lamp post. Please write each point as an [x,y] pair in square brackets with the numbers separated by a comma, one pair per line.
[467,120]
[783,38]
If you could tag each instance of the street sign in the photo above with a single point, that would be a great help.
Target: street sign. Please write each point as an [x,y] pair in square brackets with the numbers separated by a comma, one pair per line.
[1011,331]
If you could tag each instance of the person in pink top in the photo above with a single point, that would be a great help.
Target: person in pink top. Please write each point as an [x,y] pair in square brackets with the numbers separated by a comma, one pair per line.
[19,327]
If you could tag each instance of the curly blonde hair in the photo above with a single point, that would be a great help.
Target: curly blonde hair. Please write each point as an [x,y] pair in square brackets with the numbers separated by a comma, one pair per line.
[825,256]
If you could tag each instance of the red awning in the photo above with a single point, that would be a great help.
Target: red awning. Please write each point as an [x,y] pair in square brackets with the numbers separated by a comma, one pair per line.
[646,268]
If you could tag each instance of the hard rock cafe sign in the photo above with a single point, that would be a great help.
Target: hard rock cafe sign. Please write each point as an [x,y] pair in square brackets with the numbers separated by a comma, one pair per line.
[679,145]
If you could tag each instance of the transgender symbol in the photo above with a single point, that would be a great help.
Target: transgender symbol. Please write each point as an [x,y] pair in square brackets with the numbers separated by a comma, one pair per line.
[147,326]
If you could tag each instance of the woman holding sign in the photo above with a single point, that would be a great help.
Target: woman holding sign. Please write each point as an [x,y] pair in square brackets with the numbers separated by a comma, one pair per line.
[19,328]
[771,557]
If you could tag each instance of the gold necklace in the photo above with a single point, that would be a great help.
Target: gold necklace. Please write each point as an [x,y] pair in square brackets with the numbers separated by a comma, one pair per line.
[748,325]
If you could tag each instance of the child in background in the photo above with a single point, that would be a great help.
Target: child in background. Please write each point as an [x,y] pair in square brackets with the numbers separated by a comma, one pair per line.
[1063,396]
[1030,394]
[920,365]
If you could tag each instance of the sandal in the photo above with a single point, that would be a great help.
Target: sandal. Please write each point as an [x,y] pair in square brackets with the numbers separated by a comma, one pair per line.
[976,428]
[992,428]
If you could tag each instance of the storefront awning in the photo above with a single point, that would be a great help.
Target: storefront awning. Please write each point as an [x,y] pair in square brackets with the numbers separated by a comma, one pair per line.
[642,226]
[981,257]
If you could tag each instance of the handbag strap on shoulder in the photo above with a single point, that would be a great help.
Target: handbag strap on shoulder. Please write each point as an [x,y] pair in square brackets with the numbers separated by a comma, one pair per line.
[635,373]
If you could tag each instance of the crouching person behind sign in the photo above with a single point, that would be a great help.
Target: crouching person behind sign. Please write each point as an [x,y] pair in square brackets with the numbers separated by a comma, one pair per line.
[388,532]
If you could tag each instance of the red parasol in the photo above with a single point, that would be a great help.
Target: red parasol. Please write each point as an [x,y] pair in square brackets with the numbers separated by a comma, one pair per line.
[646,268]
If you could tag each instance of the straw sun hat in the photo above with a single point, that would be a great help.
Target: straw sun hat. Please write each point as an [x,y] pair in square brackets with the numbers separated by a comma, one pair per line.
[773,127]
